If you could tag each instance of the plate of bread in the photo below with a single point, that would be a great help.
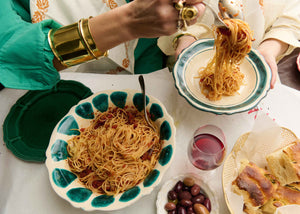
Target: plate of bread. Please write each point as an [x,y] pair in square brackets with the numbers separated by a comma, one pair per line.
[255,188]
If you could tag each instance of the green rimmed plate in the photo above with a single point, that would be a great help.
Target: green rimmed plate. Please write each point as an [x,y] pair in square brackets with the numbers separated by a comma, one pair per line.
[28,126]
[257,80]
[67,185]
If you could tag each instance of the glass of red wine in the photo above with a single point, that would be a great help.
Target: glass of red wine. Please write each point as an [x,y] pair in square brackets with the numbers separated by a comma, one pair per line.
[207,148]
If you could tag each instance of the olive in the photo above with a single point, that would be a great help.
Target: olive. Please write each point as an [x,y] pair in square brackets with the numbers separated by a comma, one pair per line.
[185,195]
[178,186]
[207,204]
[190,209]
[186,202]
[200,209]
[181,210]
[188,181]
[186,188]
[199,199]
[170,206]
[172,212]
[172,195]
[195,190]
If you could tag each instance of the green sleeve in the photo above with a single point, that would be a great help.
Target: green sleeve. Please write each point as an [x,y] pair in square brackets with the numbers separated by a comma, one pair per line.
[148,56]
[25,55]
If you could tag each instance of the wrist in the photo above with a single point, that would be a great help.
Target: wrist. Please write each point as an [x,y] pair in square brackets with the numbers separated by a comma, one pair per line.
[127,26]
[179,37]
[273,47]
[127,23]
[111,28]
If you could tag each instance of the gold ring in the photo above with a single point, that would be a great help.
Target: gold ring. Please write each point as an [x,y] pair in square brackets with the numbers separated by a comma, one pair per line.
[189,13]
[179,5]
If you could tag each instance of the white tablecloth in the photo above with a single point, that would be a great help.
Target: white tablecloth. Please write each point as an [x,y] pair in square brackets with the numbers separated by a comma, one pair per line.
[25,187]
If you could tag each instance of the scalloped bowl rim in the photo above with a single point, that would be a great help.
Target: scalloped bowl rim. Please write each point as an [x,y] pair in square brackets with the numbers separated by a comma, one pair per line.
[144,190]
[259,93]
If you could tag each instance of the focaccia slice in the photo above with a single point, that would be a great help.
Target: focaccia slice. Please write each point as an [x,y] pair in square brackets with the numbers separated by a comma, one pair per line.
[254,184]
[284,163]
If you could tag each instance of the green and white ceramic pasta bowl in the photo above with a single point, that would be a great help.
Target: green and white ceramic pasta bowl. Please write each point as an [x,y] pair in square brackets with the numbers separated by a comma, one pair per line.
[66,184]
[257,78]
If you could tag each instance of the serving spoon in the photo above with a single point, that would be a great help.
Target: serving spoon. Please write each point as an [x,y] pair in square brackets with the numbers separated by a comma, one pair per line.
[218,20]
[231,9]
[226,9]
[142,84]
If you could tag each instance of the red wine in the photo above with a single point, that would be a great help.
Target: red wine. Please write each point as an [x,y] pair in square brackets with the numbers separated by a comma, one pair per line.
[207,151]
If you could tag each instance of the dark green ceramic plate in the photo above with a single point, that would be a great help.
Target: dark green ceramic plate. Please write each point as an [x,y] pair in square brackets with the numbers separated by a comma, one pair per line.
[30,122]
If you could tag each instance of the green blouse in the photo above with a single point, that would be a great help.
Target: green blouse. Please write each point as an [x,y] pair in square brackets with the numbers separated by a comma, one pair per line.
[26,57]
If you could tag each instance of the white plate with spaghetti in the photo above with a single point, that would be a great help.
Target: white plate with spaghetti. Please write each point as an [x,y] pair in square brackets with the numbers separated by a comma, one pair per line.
[257,78]
[117,146]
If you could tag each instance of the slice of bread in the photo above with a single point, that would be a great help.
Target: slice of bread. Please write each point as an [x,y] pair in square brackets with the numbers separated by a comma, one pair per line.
[284,195]
[284,163]
[254,185]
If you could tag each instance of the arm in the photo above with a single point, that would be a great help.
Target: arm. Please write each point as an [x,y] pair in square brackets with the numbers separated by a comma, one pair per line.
[26,59]
[138,19]
[282,34]
[271,49]
[25,62]
[147,19]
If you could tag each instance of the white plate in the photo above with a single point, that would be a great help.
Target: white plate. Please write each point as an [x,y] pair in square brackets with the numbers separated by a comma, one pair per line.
[257,80]
[162,197]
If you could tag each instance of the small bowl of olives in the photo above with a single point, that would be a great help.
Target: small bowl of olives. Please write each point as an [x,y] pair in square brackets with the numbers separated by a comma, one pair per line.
[186,194]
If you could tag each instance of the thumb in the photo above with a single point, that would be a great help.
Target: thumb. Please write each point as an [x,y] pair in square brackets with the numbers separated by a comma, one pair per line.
[274,69]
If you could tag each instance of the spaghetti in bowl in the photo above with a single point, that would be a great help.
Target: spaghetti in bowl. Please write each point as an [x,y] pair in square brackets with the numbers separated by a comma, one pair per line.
[103,156]
[257,77]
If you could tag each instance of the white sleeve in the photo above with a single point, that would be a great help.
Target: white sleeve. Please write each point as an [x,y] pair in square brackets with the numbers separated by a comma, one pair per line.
[283,22]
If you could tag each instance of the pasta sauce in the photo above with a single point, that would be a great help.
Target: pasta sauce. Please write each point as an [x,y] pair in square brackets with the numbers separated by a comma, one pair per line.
[116,152]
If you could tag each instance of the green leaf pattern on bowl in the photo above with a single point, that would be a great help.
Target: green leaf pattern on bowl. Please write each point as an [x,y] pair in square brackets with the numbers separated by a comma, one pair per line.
[101,102]
[63,177]
[165,155]
[68,126]
[165,131]
[79,195]
[151,178]
[59,150]
[119,98]
[156,112]
[85,110]
[138,101]
[130,194]
[103,201]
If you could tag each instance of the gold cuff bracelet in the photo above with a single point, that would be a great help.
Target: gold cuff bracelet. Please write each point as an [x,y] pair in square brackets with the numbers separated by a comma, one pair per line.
[73,44]
[84,30]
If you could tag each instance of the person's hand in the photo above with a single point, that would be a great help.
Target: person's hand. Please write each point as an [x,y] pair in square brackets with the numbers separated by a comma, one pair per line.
[137,19]
[271,60]
[154,18]
[298,62]
[198,5]
[270,49]
[182,43]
